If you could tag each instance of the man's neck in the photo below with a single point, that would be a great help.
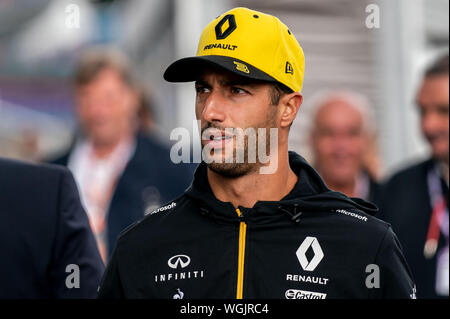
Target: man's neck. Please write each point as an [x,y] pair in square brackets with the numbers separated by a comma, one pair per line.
[246,190]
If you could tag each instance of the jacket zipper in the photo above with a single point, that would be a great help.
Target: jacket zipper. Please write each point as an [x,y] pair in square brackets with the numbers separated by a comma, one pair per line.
[241,256]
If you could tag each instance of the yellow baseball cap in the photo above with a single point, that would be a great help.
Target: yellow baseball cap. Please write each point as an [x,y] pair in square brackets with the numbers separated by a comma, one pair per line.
[249,43]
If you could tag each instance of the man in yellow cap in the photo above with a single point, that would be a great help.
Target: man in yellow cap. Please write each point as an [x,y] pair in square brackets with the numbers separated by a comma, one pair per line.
[257,221]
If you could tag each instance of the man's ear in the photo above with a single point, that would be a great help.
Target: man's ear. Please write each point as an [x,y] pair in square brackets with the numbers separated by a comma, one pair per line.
[289,106]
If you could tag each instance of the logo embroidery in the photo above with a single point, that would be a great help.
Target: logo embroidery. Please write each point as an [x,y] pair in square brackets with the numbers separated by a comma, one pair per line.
[414,291]
[222,34]
[179,260]
[179,294]
[161,209]
[345,212]
[303,294]
[241,67]
[289,69]
[301,253]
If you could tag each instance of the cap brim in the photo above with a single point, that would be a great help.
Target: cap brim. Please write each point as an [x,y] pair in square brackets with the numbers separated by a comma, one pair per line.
[189,69]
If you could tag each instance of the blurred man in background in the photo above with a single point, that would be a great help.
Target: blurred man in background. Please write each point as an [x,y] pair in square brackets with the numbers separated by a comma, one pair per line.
[343,144]
[121,171]
[415,200]
[47,249]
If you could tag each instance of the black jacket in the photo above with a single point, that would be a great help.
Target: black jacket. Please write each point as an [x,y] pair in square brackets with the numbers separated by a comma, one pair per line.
[314,243]
[406,205]
[43,230]
[149,180]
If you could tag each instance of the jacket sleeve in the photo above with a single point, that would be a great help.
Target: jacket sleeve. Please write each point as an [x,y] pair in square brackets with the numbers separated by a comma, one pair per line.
[76,266]
[111,287]
[396,280]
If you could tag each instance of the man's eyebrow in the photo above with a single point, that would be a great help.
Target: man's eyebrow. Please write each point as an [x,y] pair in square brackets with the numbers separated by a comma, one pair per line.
[201,82]
[229,82]
[238,82]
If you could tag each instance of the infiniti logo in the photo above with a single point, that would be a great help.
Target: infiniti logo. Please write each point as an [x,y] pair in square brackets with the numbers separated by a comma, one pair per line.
[179,261]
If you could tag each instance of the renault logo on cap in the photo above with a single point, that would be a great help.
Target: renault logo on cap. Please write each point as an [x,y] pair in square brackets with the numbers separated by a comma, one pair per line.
[179,261]
[222,34]
[301,253]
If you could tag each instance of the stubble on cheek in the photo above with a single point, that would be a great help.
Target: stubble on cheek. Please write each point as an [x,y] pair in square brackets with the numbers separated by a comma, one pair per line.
[243,158]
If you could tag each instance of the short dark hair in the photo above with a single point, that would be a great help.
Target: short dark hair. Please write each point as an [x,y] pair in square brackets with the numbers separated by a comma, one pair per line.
[438,67]
[94,61]
[277,91]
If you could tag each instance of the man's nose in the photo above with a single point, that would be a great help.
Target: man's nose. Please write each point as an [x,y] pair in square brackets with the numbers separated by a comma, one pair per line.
[214,107]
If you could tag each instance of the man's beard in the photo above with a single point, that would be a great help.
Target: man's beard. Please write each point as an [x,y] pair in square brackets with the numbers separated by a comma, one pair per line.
[236,167]
[233,170]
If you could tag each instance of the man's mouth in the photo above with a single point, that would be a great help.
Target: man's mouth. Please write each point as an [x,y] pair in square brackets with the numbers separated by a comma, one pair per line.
[219,138]
[216,139]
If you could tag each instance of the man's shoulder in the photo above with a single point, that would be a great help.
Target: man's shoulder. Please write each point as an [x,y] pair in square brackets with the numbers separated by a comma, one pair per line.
[410,173]
[156,221]
[39,188]
[19,170]
[337,207]
[359,222]
[367,235]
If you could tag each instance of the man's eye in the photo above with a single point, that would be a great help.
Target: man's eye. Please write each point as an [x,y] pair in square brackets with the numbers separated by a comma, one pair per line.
[237,90]
[201,89]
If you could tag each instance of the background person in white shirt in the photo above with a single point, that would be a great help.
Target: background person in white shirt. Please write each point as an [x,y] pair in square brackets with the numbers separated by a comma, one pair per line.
[121,170]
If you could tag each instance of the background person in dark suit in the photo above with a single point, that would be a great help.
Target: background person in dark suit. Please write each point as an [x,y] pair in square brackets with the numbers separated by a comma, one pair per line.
[121,171]
[45,239]
[415,200]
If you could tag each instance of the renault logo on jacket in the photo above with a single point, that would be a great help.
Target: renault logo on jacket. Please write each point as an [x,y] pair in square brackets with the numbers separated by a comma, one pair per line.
[317,250]
[179,261]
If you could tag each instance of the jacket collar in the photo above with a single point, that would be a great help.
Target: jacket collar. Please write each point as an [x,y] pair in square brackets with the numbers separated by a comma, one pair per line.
[309,194]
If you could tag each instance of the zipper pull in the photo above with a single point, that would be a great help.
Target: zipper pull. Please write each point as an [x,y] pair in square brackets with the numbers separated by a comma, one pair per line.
[240,214]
